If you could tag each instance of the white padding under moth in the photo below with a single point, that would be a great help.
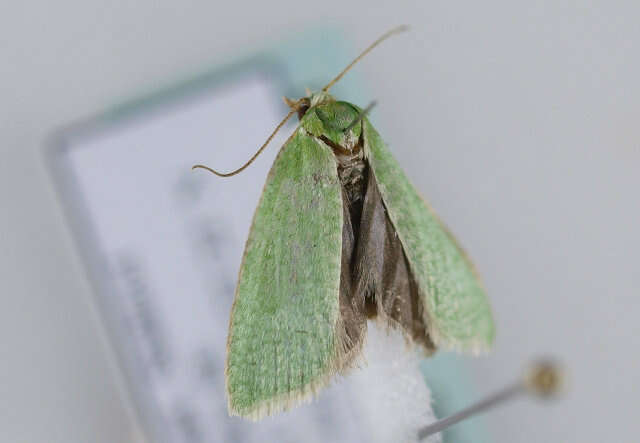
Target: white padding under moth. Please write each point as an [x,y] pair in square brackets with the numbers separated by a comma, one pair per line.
[392,398]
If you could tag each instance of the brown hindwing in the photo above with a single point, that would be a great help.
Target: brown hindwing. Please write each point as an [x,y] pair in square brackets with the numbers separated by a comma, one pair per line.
[354,320]
[381,280]
[375,278]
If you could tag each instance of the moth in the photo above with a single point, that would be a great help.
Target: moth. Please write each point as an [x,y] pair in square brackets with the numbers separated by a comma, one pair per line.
[340,236]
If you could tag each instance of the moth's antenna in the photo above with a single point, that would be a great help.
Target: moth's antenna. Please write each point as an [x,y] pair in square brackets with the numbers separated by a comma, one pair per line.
[365,52]
[243,167]
[360,116]
[543,380]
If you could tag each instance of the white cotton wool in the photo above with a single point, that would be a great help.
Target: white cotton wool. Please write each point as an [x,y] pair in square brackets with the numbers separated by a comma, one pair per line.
[393,400]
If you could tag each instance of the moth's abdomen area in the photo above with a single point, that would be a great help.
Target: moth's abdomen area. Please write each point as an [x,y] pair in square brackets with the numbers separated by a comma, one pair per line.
[380,283]
[352,172]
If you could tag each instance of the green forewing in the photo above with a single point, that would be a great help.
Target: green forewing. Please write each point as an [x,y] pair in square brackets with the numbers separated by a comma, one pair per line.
[458,314]
[282,336]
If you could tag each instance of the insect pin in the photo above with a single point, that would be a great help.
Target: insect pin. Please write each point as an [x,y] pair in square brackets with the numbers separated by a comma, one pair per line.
[340,236]
[544,379]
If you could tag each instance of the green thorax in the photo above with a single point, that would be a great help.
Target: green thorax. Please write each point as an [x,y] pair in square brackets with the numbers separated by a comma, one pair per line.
[329,119]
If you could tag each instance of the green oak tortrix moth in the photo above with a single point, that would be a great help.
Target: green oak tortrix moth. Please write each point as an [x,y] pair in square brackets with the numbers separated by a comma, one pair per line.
[339,236]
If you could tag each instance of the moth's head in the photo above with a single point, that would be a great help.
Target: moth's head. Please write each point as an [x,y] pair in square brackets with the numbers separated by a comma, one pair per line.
[338,124]
[333,121]
[312,99]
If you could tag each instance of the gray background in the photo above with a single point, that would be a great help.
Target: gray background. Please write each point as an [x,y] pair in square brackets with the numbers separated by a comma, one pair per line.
[518,120]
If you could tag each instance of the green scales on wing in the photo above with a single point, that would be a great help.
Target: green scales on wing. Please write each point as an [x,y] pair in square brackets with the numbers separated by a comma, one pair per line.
[340,236]
[458,314]
[282,340]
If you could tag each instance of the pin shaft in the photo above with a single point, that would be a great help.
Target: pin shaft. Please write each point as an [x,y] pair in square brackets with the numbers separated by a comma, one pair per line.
[499,397]
[360,116]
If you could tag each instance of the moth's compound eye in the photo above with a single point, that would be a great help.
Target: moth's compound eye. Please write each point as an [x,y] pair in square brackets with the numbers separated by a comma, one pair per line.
[302,109]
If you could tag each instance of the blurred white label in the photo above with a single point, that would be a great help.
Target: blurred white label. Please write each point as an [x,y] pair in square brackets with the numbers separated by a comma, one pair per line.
[168,242]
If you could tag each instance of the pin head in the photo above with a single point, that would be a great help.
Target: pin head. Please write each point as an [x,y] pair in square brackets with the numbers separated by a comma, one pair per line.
[544,378]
